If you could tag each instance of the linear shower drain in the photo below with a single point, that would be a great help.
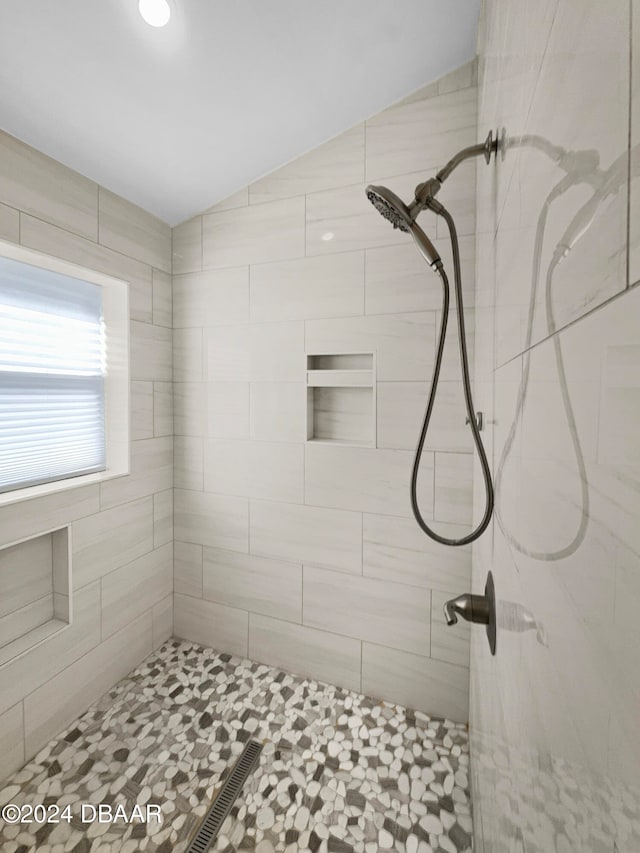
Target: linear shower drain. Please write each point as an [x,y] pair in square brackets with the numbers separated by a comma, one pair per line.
[227,795]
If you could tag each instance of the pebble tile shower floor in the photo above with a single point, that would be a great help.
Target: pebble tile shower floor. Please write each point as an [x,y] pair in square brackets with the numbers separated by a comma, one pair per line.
[339,772]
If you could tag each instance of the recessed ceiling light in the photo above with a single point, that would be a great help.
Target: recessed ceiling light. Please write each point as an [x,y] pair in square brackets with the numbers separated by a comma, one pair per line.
[328,236]
[155,12]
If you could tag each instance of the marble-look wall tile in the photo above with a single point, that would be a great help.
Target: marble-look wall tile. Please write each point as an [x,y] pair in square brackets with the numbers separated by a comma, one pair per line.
[307,288]
[335,164]
[277,352]
[422,135]
[17,624]
[257,469]
[247,582]
[398,279]
[25,575]
[392,614]
[211,624]
[130,591]
[401,408]
[419,682]
[227,354]
[162,621]
[190,412]
[36,184]
[262,352]
[187,246]
[254,234]
[300,534]
[162,299]
[404,343]
[141,410]
[97,551]
[162,409]
[278,411]
[12,755]
[23,675]
[214,520]
[187,568]
[395,549]
[188,355]
[129,229]
[342,220]
[228,408]
[27,518]
[150,352]
[305,651]
[188,460]
[365,479]
[151,471]
[163,518]
[211,298]
[453,496]
[54,705]
[9,224]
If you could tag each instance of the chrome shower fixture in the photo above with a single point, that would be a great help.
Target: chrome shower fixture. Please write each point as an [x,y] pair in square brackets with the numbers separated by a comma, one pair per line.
[404,217]
[400,216]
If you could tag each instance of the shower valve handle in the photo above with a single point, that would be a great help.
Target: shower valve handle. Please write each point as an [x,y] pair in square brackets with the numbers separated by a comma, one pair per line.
[475,608]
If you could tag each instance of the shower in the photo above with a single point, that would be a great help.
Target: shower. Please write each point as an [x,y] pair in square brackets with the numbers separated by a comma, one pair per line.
[404,217]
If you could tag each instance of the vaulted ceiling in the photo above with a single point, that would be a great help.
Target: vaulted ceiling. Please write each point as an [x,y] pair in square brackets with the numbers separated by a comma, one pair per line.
[175,119]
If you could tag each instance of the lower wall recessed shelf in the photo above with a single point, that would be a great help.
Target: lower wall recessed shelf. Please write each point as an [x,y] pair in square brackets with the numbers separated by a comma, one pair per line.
[35,592]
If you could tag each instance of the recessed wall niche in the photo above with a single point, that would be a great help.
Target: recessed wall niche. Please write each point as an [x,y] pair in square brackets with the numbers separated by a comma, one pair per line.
[35,591]
[341,398]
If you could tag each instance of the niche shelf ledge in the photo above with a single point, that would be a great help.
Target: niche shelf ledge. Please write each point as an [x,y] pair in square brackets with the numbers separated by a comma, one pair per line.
[341,399]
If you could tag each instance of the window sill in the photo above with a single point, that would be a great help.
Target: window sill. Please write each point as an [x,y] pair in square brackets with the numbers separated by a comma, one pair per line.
[18,495]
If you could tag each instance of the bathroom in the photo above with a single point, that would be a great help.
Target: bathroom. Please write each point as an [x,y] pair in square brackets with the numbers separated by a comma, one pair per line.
[226,630]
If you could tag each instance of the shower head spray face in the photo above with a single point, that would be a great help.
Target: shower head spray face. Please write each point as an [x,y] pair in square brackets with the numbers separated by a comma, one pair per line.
[390,206]
[396,211]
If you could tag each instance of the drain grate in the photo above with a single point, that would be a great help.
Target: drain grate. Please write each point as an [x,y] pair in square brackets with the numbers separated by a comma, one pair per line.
[227,795]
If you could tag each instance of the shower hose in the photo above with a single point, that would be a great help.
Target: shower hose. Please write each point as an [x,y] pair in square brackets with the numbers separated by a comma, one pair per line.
[466,385]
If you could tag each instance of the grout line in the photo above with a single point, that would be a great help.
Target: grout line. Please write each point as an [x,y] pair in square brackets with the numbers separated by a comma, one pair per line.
[605,303]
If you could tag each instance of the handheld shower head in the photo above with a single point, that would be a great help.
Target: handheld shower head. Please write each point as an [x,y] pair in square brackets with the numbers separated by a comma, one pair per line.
[400,216]
[390,206]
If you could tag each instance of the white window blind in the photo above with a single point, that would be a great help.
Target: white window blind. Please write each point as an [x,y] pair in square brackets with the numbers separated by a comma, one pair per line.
[52,366]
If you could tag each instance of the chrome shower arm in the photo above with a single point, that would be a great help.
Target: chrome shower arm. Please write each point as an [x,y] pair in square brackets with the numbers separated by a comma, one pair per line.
[486,149]
[426,192]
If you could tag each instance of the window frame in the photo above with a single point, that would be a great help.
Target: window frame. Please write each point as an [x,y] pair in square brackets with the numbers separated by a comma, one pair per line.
[115,302]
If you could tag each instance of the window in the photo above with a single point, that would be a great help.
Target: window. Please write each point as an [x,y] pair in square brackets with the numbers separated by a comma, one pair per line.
[63,374]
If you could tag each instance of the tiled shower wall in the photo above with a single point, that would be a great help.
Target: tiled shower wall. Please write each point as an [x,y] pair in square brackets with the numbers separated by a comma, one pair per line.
[554,716]
[121,530]
[304,554]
